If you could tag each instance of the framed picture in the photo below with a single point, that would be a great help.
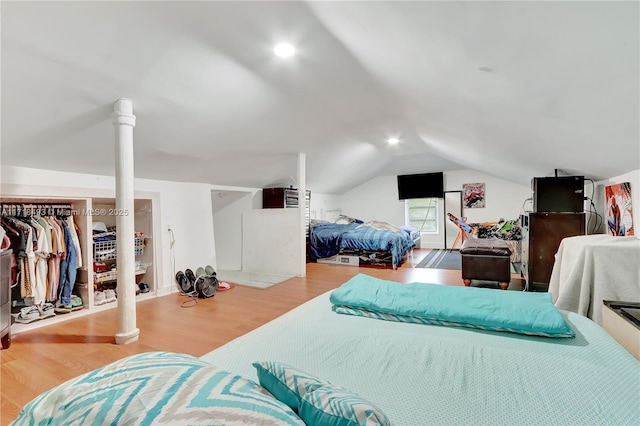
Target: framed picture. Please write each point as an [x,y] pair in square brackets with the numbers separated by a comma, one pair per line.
[473,195]
[619,210]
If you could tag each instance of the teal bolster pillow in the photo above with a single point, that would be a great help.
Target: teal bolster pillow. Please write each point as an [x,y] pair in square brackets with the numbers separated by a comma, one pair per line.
[317,402]
[520,312]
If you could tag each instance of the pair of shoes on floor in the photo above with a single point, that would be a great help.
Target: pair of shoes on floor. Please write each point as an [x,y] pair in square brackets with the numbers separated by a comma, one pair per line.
[207,270]
[75,304]
[186,281]
[102,297]
[33,313]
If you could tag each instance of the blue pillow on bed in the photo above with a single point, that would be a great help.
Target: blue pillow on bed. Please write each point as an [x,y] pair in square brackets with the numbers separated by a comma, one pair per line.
[157,388]
[317,402]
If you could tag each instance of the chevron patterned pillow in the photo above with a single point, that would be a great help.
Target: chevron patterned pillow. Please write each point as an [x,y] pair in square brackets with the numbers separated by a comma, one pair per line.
[157,388]
[316,401]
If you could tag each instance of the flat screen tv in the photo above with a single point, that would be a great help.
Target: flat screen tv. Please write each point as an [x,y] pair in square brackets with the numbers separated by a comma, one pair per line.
[564,194]
[425,185]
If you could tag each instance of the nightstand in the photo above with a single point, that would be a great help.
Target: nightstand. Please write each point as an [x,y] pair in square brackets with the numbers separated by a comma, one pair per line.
[622,321]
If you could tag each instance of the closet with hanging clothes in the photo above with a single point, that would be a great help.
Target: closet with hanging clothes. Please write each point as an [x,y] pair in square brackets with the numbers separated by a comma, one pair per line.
[46,239]
[46,254]
[48,262]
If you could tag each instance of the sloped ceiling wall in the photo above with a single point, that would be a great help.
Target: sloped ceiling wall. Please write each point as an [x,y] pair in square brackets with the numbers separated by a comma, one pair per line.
[512,89]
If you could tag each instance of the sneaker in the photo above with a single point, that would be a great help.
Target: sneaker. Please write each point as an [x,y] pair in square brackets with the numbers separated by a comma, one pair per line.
[64,309]
[47,310]
[99,298]
[28,315]
[110,295]
[76,303]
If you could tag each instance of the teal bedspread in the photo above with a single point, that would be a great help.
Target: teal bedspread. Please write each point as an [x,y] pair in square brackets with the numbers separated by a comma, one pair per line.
[430,375]
[487,309]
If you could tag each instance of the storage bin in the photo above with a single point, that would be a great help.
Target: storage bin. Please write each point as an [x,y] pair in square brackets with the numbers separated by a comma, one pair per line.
[106,250]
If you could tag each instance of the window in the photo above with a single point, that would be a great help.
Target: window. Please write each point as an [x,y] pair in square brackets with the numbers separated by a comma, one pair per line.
[423,214]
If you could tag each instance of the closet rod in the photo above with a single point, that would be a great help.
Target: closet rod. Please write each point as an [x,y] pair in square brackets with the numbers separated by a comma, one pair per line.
[28,210]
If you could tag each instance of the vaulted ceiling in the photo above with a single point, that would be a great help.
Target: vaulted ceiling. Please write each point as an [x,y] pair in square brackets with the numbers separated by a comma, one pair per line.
[512,89]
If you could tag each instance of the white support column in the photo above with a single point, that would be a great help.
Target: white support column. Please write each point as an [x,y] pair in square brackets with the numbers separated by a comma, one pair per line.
[302,206]
[124,121]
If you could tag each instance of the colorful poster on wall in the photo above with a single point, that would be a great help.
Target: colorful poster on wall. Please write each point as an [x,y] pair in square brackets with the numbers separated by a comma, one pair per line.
[473,195]
[619,210]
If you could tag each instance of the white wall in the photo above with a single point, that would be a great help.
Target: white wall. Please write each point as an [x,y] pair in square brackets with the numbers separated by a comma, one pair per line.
[186,207]
[320,202]
[376,199]
[227,223]
[634,178]
[503,199]
[271,241]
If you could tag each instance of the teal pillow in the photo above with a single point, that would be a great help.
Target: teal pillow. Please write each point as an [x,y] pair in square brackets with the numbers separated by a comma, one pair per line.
[520,312]
[157,388]
[286,383]
[317,402]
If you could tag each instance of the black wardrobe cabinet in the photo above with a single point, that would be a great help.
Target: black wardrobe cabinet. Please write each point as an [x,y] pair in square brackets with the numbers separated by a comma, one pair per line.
[542,238]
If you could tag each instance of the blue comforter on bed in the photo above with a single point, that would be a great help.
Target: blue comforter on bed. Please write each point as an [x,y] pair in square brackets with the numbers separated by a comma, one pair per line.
[367,238]
[327,239]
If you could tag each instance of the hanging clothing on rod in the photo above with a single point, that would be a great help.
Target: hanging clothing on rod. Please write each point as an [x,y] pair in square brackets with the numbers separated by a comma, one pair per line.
[46,256]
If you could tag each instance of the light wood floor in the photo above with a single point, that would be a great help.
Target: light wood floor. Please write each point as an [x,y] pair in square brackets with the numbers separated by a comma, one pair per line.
[43,358]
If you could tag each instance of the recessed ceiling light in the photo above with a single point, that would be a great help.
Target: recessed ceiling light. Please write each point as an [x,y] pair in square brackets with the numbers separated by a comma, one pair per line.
[393,141]
[284,50]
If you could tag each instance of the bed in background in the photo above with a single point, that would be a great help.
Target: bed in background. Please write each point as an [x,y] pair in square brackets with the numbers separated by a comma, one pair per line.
[374,243]
[415,374]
